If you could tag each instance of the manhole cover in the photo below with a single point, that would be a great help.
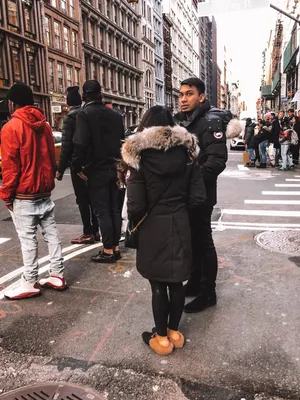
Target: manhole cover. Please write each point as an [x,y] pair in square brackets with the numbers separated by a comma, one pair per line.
[52,391]
[281,241]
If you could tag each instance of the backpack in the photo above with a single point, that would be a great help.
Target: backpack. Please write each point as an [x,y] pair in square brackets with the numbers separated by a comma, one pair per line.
[294,138]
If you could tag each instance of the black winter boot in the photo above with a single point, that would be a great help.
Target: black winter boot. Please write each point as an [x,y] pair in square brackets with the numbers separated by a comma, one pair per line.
[261,165]
[201,302]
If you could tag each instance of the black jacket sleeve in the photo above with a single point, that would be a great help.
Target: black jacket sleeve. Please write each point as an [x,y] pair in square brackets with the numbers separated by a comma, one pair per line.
[66,152]
[196,189]
[136,195]
[215,149]
[81,141]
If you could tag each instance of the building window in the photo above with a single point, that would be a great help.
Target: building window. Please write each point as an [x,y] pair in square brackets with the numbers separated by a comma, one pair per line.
[148,79]
[100,5]
[108,5]
[125,83]
[94,67]
[69,76]
[124,51]
[31,60]
[13,14]
[75,43]
[112,81]
[54,3]
[104,76]
[131,86]
[116,14]
[28,18]
[51,75]
[129,24]
[130,55]
[63,6]
[102,38]
[16,60]
[72,9]
[117,47]
[57,35]
[60,76]
[66,40]
[109,43]
[122,20]
[119,81]
[3,72]
[77,77]
[93,34]
[48,31]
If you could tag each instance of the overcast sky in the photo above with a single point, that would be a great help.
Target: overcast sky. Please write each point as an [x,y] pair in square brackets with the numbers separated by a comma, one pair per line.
[245,35]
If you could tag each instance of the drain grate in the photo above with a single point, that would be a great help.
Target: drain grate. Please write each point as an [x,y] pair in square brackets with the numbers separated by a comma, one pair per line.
[53,391]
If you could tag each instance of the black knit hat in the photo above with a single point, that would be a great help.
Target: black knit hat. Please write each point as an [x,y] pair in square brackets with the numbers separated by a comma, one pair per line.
[21,94]
[73,96]
[91,86]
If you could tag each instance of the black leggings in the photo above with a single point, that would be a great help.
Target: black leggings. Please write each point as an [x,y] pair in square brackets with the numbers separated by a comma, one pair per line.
[167,308]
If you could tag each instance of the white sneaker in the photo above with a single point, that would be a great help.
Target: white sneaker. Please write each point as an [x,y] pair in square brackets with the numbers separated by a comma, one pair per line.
[53,282]
[24,290]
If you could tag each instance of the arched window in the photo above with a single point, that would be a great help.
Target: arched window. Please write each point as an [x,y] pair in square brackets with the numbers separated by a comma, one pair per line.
[148,79]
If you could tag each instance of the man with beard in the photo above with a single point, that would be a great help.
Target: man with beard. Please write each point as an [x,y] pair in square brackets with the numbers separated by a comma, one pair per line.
[195,117]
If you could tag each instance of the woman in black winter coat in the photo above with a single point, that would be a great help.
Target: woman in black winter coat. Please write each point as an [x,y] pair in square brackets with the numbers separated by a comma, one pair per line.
[162,172]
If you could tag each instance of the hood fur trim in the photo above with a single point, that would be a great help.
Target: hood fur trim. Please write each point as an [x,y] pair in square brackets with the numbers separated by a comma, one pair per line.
[158,138]
[234,128]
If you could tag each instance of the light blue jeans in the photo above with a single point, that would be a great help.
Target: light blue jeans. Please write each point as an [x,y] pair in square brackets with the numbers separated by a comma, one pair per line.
[27,215]
[287,159]
[263,151]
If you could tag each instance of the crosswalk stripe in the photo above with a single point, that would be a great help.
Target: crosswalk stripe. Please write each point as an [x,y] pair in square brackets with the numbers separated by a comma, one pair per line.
[265,213]
[280,193]
[3,240]
[291,185]
[261,224]
[278,202]
[242,167]
[293,180]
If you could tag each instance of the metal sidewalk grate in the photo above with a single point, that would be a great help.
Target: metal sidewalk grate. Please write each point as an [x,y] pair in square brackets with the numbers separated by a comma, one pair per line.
[52,391]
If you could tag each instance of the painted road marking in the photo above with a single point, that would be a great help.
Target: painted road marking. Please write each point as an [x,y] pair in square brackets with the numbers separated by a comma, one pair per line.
[18,271]
[46,267]
[222,228]
[261,224]
[297,176]
[292,185]
[3,240]
[293,180]
[242,167]
[280,193]
[265,213]
[283,202]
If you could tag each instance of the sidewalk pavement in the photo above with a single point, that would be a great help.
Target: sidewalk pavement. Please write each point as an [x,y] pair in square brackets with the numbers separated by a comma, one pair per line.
[244,348]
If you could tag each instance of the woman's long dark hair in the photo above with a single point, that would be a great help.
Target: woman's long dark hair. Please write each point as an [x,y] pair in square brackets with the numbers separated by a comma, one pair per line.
[156,116]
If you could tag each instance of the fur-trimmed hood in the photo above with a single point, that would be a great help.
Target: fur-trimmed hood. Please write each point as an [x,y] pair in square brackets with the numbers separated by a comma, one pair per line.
[158,138]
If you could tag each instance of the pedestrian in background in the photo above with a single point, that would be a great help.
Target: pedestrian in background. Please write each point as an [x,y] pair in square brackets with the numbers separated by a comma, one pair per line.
[89,220]
[162,174]
[28,174]
[285,141]
[195,117]
[264,136]
[295,147]
[97,145]
[250,141]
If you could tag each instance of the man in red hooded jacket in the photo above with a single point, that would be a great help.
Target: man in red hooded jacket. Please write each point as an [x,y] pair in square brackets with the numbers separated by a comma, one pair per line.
[28,173]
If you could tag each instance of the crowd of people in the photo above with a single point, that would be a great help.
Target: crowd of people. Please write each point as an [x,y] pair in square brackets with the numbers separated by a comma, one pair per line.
[275,138]
[169,168]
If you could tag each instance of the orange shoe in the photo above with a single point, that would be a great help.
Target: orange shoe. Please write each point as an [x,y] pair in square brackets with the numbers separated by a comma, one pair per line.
[176,338]
[152,340]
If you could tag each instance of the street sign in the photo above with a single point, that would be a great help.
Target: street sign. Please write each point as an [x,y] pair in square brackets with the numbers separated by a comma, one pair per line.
[210,7]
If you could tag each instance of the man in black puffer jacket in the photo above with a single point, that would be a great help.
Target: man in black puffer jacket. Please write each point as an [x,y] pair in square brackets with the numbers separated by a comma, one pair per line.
[195,116]
[97,146]
[89,221]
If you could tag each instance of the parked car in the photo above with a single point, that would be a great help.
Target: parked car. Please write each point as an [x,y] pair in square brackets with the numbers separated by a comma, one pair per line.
[57,143]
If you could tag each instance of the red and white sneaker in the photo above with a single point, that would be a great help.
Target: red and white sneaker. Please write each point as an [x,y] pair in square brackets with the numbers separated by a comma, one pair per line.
[23,290]
[53,282]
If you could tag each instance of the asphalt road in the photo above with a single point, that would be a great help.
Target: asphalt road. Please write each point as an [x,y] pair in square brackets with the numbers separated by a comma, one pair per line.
[244,348]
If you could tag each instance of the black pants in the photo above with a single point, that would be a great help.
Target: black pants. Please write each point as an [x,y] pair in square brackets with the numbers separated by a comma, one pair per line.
[81,190]
[167,308]
[205,261]
[294,148]
[105,196]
